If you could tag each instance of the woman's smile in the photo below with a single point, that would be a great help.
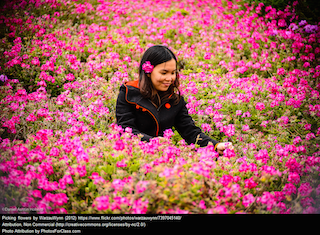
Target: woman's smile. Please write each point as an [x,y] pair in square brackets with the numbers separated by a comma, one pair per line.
[167,84]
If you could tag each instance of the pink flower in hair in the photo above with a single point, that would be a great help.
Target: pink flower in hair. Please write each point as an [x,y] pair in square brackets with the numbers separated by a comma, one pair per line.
[147,67]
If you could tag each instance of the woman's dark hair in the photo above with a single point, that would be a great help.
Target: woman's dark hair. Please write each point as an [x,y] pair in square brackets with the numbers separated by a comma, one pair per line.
[158,54]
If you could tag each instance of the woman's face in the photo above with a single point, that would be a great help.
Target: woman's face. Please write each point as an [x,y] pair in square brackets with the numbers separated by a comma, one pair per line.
[163,75]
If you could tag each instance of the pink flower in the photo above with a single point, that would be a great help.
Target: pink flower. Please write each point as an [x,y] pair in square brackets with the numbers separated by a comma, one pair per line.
[246,114]
[307,126]
[293,165]
[167,172]
[264,123]
[310,136]
[209,110]
[68,179]
[37,193]
[207,56]
[168,133]
[60,199]
[279,196]
[228,130]
[81,170]
[236,178]
[308,201]
[218,210]
[282,23]
[42,112]
[229,153]
[119,145]
[206,127]
[242,69]
[243,167]
[96,178]
[102,203]
[283,120]
[267,199]
[289,189]
[280,71]
[225,180]
[54,152]
[238,112]
[189,33]
[3,78]
[218,106]
[294,178]
[118,202]
[127,58]
[139,206]
[305,189]
[202,205]
[254,55]
[262,155]
[70,77]
[118,184]
[250,183]
[31,118]
[265,169]
[128,130]
[247,199]
[297,140]
[306,64]
[42,83]
[260,106]
[35,61]
[245,128]
[141,186]
[121,163]
[147,167]
[147,67]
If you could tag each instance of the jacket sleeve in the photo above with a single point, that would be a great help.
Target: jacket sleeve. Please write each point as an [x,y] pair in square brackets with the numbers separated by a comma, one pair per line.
[125,115]
[188,130]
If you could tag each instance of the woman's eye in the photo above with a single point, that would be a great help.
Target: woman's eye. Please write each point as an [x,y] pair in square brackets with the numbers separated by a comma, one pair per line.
[164,73]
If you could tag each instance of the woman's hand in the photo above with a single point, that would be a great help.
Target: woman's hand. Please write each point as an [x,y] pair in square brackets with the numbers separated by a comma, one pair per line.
[223,146]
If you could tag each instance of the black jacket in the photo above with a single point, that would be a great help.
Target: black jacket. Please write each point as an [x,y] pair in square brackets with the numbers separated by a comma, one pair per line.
[138,113]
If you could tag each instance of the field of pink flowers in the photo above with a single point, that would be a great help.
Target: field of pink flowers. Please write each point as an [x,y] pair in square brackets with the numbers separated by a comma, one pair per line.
[250,74]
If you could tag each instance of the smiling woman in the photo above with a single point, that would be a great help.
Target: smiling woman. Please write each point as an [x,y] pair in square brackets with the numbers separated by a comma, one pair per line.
[163,75]
[153,104]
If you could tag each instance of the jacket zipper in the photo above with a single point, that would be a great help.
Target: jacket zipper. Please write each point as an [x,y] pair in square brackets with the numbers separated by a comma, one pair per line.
[158,109]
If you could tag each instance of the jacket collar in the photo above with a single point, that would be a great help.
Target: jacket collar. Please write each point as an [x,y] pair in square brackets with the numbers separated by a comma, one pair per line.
[134,96]
[134,83]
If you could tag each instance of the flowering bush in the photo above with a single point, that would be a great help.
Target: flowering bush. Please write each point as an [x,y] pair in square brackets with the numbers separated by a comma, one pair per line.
[249,79]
